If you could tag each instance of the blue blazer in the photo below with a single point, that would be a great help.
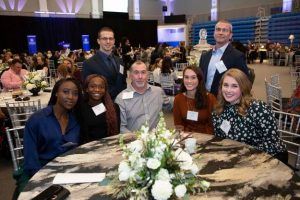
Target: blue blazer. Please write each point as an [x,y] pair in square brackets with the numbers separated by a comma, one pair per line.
[116,81]
[232,58]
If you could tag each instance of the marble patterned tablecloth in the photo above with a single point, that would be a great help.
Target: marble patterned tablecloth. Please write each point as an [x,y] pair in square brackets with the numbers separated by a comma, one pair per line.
[235,171]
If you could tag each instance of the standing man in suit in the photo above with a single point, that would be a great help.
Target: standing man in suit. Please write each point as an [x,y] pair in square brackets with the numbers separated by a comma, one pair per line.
[222,57]
[106,64]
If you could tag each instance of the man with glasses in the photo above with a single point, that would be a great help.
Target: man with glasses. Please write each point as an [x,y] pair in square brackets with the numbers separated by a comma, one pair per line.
[222,57]
[140,103]
[106,64]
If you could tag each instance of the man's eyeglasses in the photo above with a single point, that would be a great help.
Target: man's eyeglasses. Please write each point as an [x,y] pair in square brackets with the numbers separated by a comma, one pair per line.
[109,39]
[223,30]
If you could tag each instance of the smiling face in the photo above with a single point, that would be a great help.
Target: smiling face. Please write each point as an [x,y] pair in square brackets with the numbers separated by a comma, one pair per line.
[67,95]
[190,80]
[139,76]
[231,90]
[96,90]
[222,33]
[106,40]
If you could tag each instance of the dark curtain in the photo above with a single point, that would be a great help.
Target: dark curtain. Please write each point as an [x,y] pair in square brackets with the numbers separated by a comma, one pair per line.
[50,31]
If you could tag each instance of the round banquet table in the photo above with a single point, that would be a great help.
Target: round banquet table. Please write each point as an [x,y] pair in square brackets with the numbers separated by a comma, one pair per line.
[235,171]
[7,97]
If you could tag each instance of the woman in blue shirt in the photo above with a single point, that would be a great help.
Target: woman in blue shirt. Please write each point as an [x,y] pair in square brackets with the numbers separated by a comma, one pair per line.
[53,130]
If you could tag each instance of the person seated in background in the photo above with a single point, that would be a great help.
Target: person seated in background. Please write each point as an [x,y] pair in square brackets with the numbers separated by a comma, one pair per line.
[293,105]
[63,72]
[238,116]
[98,116]
[40,64]
[13,78]
[193,106]
[140,103]
[72,69]
[156,71]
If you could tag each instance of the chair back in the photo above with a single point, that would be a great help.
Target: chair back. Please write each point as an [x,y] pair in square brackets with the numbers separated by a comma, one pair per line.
[282,58]
[271,57]
[275,80]
[294,77]
[79,65]
[297,60]
[20,111]
[289,132]
[15,142]
[150,78]
[167,83]
[180,66]
[274,96]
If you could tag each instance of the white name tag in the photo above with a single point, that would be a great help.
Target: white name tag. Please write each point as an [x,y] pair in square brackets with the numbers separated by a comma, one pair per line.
[221,67]
[121,69]
[127,95]
[225,126]
[98,109]
[191,115]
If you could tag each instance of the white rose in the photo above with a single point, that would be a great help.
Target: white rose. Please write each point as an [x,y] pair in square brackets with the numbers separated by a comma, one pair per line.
[44,83]
[139,163]
[194,169]
[153,163]
[124,167]
[184,159]
[161,190]
[123,176]
[37,78]
[180,190]
[205,185]
[30,86]
[136,146]
[163,174]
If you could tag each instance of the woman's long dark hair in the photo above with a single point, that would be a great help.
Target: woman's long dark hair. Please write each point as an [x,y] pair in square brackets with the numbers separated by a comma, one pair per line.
[57,85]
[110,114]
[201,92]
[166,65]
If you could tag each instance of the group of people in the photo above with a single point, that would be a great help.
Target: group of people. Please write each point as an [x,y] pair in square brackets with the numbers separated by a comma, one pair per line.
[215,98]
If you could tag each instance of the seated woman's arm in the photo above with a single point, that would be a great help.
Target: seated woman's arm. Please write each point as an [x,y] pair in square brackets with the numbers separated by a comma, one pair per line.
[31,157]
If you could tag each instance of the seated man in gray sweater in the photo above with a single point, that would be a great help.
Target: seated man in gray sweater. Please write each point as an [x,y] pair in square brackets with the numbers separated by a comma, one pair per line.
[140,103]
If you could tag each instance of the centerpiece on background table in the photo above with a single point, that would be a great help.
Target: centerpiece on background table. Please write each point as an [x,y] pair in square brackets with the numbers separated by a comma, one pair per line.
[156,166]
[34,82]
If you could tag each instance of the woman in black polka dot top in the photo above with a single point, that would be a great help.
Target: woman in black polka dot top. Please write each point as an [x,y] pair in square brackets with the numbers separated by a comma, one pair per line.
[238,116]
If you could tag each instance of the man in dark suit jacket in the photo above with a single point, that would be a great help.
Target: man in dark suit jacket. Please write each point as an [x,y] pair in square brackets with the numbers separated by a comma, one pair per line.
[222,57]
[107,64]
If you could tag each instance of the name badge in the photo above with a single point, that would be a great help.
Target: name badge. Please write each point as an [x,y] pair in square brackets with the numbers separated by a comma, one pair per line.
[127,95]
[192,115]
[98,109]
[225,126]
[221,67]
[121,69]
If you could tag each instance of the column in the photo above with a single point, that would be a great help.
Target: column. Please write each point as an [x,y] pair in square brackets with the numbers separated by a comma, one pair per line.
[136,10]
[95,9]
[43,8]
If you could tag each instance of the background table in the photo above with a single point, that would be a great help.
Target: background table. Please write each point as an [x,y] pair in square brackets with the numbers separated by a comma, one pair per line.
[235,171]
[7,97]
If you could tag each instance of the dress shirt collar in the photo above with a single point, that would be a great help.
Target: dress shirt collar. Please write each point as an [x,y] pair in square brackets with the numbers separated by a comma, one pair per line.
[104,55]
[130,88]
[221,49]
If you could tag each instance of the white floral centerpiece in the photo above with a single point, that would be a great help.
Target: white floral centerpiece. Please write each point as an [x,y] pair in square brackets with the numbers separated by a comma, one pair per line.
[3,66]
[34,81]
[156,166]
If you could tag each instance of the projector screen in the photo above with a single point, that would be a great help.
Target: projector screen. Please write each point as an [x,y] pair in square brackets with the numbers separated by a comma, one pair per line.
[115,6]
[171,34]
